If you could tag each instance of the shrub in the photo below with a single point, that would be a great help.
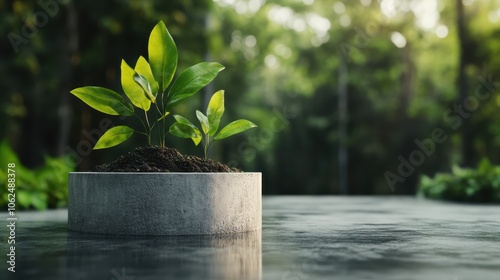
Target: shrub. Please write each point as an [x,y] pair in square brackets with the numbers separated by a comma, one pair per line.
[42,188]
[481,185]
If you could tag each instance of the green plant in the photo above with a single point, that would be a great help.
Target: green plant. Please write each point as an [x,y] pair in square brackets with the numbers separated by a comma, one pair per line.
[464,184]
[148,85]
[209,124]
[41,188]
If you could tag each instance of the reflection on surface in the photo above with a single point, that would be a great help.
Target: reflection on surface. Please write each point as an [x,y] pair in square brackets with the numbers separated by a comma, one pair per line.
[303,238]
[236,256]
[46,250]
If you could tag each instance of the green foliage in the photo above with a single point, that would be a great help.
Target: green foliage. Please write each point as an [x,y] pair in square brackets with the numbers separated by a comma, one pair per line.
[183,128]
[143,84]
[114,136]
[104,100]
[45,187]
[191,81]
[395,95]
[162,55]
[133,90]
[233,128]
[481,185]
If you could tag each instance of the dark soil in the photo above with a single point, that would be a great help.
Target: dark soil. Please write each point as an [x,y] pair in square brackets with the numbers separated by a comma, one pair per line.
[157,159]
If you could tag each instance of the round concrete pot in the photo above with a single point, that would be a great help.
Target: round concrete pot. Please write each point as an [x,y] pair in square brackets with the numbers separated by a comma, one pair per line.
[164,203]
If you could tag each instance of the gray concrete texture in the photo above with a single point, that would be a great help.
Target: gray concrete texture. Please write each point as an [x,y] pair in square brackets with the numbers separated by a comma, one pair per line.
[164,203]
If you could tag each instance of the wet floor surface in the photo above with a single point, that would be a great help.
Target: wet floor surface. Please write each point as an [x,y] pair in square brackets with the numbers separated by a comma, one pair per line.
[303,237]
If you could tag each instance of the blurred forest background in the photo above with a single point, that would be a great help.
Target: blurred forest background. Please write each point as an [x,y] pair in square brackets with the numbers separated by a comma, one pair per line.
[341,90]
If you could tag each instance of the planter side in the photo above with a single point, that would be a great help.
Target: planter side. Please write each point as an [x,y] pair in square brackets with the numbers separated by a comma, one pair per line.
[164,203]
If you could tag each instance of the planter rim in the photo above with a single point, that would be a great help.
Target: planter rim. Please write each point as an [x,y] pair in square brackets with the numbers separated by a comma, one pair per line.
[168,173]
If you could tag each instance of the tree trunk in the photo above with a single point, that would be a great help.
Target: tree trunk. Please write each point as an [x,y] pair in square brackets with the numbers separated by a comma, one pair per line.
[29,148]
[70,50]
[407,130]
[342,129]
[467,148]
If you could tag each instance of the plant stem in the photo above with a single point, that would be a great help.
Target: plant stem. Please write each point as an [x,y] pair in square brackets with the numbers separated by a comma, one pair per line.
[145,128]
[149,128]
[163,121]
[140,132]
[162,142]
[206,144]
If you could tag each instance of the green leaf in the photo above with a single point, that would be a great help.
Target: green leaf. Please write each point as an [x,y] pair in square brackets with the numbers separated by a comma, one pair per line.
[113,137]
[484,166]
[104,100]
[234,128]
[203,121]
[183,120]
[197,138]
[162,55]
[142,67]
[133,90]
[191,81]
[215,111]
[183,130]
[39,200]
[23,198]
[143,82]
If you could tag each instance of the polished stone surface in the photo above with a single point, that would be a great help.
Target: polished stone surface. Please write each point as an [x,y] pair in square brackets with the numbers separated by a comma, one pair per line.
[303,237]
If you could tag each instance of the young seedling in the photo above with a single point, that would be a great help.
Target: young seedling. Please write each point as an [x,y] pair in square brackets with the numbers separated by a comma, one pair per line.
[148,85]
[183,128]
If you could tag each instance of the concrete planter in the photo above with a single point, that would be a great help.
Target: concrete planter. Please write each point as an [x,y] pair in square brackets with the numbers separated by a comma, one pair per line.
[164,203]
